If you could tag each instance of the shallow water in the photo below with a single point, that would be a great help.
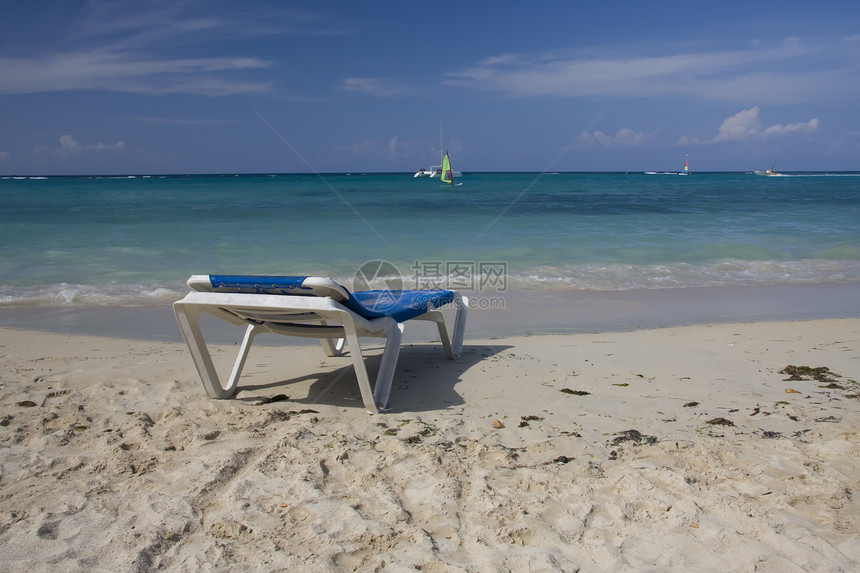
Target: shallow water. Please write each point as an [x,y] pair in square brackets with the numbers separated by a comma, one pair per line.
[118,241]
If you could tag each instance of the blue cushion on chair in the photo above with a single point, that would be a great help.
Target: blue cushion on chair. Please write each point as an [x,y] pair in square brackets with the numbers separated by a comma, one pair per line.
[257,284]
[401,305]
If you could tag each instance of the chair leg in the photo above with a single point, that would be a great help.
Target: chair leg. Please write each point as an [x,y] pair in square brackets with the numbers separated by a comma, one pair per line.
[462,304]
[437,317]
[331,347]
[388,364]
[250,333]
[188,318]
[360,371]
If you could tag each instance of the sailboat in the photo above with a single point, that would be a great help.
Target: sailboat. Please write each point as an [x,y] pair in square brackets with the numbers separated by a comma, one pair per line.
[425,172]
[437,170]
[770,172]
[447,174]
[686,171]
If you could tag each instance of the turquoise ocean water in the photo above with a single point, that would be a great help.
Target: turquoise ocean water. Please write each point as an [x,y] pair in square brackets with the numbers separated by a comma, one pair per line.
[102,241]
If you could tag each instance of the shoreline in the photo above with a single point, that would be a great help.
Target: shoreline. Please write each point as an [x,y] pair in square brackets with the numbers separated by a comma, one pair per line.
[520,312]
[679,447]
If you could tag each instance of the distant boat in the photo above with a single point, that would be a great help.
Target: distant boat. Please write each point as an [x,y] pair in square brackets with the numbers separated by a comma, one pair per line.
[425,172]
[686,171]
[447,174]
[436,170]
[664,173]
[770,172]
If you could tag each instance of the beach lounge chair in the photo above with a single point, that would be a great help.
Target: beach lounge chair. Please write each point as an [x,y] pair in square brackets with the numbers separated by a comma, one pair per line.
[313,307]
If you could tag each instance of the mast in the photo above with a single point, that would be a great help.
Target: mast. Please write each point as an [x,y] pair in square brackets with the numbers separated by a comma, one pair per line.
[441,145]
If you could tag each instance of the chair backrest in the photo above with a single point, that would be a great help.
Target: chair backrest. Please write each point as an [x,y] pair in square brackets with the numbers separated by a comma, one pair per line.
[281,285]
[397,304]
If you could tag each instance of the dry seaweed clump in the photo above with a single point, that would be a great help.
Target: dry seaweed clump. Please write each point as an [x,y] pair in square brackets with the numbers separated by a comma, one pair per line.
[819,374]
[634,436]
[574,392]
[524,423]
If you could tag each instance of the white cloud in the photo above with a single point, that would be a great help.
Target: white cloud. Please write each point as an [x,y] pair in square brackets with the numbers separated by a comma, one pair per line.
[390,149]
[4,156]
[380,87]
[121,47]
[740,126]
[172,23]
[623,136]
[803,127]
[104,70]
[183,120]
[372,149]
[71,146]
[789,71]
[629,137]
[746,125]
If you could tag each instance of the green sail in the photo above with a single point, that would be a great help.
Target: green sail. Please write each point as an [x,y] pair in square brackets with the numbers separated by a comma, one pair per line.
[447,173]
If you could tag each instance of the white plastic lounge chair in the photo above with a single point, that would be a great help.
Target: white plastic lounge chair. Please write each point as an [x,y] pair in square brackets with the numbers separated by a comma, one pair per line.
[313,307]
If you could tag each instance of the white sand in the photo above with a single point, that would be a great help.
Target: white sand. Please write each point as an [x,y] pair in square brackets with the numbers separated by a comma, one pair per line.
[112,458]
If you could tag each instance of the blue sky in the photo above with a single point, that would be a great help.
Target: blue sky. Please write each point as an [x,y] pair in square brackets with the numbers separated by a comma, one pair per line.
[342,86]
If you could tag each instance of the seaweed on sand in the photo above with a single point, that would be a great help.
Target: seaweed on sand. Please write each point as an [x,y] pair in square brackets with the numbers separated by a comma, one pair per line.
[634,436]
[524,423]
[819,374]
[574,392]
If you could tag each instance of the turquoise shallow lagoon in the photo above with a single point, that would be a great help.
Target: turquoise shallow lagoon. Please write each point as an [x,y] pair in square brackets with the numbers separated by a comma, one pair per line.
[133,240]
[72,244]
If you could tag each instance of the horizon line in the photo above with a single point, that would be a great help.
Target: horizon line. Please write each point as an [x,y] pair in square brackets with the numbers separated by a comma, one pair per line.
[280,173]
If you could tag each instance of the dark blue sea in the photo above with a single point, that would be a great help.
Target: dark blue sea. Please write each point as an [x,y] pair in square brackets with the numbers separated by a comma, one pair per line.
[112,241]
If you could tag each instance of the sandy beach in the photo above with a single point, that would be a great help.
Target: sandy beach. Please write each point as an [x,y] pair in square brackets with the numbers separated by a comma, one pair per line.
[688,448]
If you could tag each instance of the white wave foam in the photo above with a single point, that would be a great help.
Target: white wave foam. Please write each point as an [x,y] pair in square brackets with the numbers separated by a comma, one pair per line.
[586,277]
[76,295]
[725,273]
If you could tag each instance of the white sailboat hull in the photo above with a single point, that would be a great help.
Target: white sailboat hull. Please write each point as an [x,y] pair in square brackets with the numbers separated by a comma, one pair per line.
[769,173]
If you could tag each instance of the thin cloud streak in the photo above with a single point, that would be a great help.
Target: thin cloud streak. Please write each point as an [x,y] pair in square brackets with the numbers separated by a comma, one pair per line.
[623,136]
[69,146]
[726,76]
[183,120]
[119,47]
[379,87]
[103,70]
[176,23]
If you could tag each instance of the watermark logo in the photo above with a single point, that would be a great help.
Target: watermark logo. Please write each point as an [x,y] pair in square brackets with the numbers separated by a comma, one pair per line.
[481,276]
[476,276]
[493,276]
[379,276]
